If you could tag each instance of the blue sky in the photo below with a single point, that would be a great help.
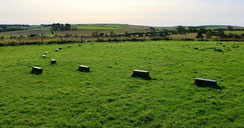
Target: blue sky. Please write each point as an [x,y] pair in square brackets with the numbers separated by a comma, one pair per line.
[140,12]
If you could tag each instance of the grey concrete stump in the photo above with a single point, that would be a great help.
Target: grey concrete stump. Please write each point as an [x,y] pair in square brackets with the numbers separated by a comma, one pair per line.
[53,61]
[60,48]
[84,68]
[36,70]
[56,50]
[142,74]
[43,56]
[46,52]
[206,83]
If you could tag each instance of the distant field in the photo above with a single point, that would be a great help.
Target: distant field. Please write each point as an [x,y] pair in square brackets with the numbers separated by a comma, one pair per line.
[108,31]
[98,27]
[109,97]
[235,32]
[27,27]
[39,31]
[183,36]
[83,30]
[108,26]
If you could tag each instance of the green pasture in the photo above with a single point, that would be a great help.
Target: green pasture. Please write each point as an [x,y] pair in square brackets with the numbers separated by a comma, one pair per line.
[109,97]
[234,32]
[99,27]
[44,30]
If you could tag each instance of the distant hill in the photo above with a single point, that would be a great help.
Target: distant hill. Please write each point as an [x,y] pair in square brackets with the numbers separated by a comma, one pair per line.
[219,27]
[87,29]
[206,27]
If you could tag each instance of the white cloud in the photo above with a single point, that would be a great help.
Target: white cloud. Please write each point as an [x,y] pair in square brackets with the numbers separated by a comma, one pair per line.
[148,12]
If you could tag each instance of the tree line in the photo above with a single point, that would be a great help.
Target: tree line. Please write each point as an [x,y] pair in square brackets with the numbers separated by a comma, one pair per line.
[7,28]
[60,27]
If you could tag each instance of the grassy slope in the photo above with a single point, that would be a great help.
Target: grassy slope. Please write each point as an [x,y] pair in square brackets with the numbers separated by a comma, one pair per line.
[220,27]
[87,29]
[83,30]
[183,36]
[98,27]
[109,26]
[27,27]
[235,32]
[109,97]
[105,31]
[43,30]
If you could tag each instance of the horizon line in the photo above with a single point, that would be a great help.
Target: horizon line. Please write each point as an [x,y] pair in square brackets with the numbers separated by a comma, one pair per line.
[123,24]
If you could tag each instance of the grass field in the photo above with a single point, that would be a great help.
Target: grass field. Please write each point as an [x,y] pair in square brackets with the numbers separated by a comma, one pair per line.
[108,26]
[235,32]
[183,36]
[39,31]
[109,97]
[105,31]
[27,27]
[99,27]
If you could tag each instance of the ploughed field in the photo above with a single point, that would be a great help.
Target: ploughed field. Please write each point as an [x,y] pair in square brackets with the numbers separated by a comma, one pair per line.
[108,96]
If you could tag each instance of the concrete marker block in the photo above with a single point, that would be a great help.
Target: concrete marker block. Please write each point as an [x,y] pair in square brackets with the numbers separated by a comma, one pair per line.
[141,74]
[53,61]
[206,83]
[84,68]
[36,70]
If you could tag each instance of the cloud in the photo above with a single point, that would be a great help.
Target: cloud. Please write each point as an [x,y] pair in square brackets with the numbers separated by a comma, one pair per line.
[147,12]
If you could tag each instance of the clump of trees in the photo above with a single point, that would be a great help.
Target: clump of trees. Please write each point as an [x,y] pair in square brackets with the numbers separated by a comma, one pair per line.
[7,28]
[199,34]
[181,29]
[209,35]
[61,27]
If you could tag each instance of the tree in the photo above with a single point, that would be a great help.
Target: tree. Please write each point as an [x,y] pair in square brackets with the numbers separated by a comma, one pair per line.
[61,27]
[151,28]
[180,29]
[101,34]
[203,30]
[199,34]
[94,34]
[163,33]
[111,34]
[67,26]
[192,29]
[230,28]
[126,34]
[209,35]
[140,34]
[221,34]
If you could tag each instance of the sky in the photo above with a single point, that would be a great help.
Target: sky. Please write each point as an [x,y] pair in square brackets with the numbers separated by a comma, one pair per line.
[137,12]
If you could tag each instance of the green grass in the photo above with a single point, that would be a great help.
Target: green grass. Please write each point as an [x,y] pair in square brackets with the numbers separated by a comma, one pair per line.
[109,27]
[27,27]
[99,27]
[40,31]
[234,32]
[109,97]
